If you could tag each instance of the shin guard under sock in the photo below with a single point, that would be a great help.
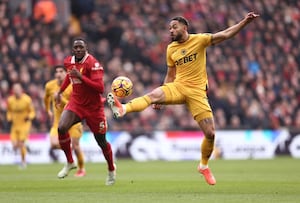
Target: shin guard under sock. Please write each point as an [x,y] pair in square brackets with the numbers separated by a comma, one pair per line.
[65,144]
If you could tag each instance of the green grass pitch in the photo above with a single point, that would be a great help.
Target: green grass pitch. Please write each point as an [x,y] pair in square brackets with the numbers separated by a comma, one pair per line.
[242,181]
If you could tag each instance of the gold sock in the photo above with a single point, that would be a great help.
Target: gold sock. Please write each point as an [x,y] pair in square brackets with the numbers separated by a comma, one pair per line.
[138,104]
[23,153]
[80,160]
[207,148]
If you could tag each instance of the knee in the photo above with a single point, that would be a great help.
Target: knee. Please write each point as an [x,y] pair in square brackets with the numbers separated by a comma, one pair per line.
[15,146]
[21,144]
[62,129]
[76,147]
[101,140]
[102,144]
[157,95]
[210,134]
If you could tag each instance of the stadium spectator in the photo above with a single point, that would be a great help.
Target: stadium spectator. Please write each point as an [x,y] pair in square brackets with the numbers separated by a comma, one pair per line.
[45,11]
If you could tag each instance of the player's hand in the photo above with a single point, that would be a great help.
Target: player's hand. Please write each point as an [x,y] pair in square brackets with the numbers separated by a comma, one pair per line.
[50,115]
[157,106]
[75,73]
[57,98]
[250,16]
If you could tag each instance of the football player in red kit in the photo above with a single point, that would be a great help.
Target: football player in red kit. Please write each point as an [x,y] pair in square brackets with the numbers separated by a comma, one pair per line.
[85,74]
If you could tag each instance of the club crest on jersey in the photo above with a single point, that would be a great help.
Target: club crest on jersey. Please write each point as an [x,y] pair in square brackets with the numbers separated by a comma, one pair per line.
[97,66]
[183,52]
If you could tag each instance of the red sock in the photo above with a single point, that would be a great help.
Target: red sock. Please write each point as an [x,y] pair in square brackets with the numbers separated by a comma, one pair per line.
[65,144]
[107,152]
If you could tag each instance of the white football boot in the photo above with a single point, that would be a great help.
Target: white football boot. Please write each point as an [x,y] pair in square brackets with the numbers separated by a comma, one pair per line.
[115,105]
[66,169]
[111,176]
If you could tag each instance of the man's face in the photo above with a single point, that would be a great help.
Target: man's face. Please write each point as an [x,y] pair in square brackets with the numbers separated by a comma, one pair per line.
[176,30]
[60,74]
[17,89]
[79,49]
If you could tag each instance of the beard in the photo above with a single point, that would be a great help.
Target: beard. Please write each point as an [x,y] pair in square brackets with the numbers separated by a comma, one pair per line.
[79,55]
[177,37]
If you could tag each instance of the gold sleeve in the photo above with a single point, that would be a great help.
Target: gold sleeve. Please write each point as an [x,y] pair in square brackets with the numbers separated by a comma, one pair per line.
[31,114]
[8,112]
[47,97]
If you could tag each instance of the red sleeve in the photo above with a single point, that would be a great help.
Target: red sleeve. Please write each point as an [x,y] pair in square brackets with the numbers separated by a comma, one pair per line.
[95,79]
[96,84]
[65,83]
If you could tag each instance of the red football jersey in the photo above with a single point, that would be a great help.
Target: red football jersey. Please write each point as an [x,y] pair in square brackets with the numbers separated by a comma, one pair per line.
[86,92]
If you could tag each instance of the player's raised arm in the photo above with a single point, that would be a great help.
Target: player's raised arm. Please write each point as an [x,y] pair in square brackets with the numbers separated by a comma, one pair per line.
[233,30]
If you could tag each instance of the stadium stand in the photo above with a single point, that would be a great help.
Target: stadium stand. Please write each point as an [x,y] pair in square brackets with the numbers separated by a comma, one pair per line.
[254,78]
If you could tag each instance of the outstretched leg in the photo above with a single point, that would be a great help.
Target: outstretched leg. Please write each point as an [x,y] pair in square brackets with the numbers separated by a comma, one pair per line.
[135,105]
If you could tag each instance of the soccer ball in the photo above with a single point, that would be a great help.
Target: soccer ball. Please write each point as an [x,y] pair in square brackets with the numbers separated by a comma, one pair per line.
[121,86]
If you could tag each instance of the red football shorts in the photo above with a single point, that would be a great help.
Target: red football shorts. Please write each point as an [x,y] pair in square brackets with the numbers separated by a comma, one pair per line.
[94,117]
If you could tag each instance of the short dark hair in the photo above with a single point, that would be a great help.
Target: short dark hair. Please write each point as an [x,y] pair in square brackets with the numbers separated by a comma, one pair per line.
[80,39]
[181,20]
[59,66]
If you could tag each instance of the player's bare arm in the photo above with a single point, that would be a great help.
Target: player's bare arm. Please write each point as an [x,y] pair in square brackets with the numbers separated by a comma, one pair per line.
[171,74]
[57,98]
[157,94]
[233,30]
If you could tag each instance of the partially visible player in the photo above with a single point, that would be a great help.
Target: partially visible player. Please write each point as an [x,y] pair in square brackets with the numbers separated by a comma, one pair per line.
[186,82]
[20,113]
[85,73]
[54,112]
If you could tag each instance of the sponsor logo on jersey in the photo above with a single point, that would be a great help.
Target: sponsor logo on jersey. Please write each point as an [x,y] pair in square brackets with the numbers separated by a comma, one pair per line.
[186,59]
[97,67]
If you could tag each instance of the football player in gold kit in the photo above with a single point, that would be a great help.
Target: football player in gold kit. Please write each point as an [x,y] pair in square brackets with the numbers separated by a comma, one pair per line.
[54,112]
[20,113]
[186,82]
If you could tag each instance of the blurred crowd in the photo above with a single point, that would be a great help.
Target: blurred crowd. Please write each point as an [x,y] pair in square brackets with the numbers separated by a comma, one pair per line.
[253,78]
